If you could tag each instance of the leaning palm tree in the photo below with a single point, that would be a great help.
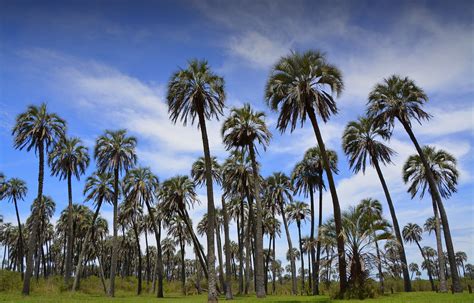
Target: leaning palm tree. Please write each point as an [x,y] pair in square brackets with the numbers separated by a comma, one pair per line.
[443,168]
[15,189]
[115,153]
[243,129]
[280,192]
[67,159]
[412,233]
[298,212]
[361,145]
[197,91]
[300,85]
[99,188]
[401,99]
[39,130]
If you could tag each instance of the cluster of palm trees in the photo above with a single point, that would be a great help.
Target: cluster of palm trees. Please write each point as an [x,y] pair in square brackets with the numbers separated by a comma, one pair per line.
[300,86]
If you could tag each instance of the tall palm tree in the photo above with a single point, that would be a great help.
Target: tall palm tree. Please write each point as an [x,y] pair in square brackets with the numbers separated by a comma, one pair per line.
[362,145]
[461,258]
[115,153]
[297,212]
[401,99]
[67,159]
[412,233]
[443,168]
[36,129]
[303,84]
[197,91]
[99,188]
[413,267]
[15,189]
[279,187]
[243,129]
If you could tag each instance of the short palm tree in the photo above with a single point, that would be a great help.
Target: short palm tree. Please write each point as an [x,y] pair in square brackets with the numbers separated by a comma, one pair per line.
[443,168]
[300,85]
[243,129]
[115,153]
[197,92]
[362,145]
[413,267]
[280,192]
[67,159]
[99,188]
[412,233]
[400,98]
[15,189]
[297,212]
[36,129]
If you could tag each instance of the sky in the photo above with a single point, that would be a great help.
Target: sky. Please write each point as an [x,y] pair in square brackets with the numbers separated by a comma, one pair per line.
[105,65]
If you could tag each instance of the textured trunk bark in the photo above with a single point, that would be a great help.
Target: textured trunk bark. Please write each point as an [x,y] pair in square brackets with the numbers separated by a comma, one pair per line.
[248,248]
[67,274]
[294,287]
[219,256]
[20,240]
[335,202]
[259,277]
[273,257]
[320,223]
[211,258]
[113,262]
[298,223]
[398,235]
[457,287]
[228,269]
[240,230]
[147,258]
[313,284]
[34,230]
[379,267]
[439,245]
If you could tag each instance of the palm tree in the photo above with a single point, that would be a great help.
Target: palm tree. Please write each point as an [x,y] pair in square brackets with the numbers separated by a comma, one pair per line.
[303,84]
[115,153]
[279,188]
[197,91]
[3,184]
[461,257]
[99,188]
[242,129]
[39,130]
[69,158]
[413,267]
[401,99]
[361,145]
[297,212]
[15,189]
[443,168]
[412,233]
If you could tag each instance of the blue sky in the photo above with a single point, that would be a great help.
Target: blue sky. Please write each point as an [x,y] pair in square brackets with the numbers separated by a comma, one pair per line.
[104,65]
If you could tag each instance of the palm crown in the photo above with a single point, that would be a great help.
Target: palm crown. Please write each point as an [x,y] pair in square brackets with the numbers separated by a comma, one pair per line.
[198,171]
[300,82]
[360,143]
[195,90]
[443,167]
[69,156]
[15,189]
[114,150]
[141,185]
[99,187]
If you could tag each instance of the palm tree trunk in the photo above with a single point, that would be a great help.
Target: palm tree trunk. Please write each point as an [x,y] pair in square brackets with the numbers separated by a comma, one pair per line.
[439,245]
[159,258]
[240,238]
[259,276]
[335,202]
[457,287]
[147,256]
[267,261]
[428,269]
[379,266]
[298,223]
[403,258]
[273,256]
[219,256]
[139,253]
[67,274]
[318,244]
[183,273]
[248,248]
[20,239]
[211,258]
[228,268]
[290,248]
[313,283]
[34,230]
[204,263]
[85,247]
[113,262]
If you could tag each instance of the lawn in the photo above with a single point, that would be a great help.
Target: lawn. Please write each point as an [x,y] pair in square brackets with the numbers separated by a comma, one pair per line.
[414,297]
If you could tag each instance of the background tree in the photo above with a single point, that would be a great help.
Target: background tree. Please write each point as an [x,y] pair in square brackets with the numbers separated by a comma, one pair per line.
[303,84]
[39,130]
[197,91]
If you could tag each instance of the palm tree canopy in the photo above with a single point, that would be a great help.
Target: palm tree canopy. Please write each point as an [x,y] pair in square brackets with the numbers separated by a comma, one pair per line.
[198,171]
[243,127]
[397,97]
[301,81]
[360,143]
[37,125]
[412,232]
[115,150]
[305,177]
[193,90]
[177,193]
[371,207]
[443,167]
[15,189]
[279,188]
[99,187]
[141,185]
[68,156]
[297,211]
